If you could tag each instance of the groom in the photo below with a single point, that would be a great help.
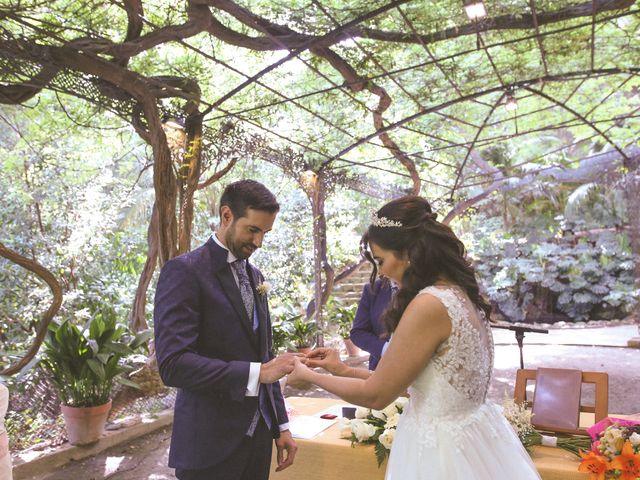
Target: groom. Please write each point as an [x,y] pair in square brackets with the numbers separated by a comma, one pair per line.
[213,342]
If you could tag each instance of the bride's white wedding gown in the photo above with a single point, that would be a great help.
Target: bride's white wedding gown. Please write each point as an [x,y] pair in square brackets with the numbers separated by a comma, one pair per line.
[448,430]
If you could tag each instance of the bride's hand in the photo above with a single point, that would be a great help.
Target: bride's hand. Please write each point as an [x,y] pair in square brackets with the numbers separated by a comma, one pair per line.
[299,374]
[327,358]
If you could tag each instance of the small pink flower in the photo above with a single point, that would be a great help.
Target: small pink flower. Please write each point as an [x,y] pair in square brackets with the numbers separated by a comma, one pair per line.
[595,430]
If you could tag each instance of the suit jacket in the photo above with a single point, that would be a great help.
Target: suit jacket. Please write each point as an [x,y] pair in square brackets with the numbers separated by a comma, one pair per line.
[367,327]
[204,343]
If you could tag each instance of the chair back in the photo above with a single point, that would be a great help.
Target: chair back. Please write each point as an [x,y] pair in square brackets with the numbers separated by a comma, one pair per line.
[557,400]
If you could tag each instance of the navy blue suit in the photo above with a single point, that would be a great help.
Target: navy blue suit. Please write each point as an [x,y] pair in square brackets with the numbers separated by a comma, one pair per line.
[204,343]
[367,327]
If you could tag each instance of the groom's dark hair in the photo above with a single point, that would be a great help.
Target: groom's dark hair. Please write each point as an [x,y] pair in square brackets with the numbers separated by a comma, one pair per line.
[244,194]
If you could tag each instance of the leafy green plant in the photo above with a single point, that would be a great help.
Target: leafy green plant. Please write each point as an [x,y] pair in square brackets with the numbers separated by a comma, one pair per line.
[280,335]
[558,278]
[301,333]
[342,317]
[84,364]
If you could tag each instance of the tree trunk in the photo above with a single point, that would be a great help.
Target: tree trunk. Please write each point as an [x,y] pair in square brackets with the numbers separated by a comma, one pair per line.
[56,290]
[138,320]
[164,184]
[191,166]
[317,192]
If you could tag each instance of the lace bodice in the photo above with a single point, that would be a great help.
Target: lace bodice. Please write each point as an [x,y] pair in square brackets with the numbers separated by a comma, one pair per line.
[448,429]
[449,391]
[465,359]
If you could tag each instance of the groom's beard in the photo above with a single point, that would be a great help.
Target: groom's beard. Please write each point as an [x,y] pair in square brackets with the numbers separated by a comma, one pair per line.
[241,250]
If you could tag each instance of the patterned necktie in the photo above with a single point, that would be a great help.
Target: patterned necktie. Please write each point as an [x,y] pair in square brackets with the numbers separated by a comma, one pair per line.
[240,267]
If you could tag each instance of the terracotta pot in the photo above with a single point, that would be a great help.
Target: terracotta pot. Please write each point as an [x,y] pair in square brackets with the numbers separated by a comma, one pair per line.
[85,424]
[304,350]
[352,350]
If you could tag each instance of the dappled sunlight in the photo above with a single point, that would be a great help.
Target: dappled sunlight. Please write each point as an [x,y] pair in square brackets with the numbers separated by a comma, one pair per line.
[111,465]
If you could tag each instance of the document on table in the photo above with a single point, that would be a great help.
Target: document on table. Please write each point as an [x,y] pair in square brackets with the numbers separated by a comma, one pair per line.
[308,426]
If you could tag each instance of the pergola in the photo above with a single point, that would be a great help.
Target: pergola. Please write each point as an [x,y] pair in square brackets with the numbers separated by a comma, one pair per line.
[389,97]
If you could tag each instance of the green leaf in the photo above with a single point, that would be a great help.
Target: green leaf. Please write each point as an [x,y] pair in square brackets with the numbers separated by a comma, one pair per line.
[127,382]
[97,368]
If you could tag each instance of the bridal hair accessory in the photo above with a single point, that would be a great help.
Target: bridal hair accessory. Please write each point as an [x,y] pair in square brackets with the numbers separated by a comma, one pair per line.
[383,222]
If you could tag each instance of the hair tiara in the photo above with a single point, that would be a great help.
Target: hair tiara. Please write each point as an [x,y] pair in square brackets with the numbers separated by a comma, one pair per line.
[383,222]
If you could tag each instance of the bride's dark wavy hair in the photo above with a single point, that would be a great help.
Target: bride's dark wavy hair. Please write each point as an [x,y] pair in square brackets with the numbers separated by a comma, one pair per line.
[433,250]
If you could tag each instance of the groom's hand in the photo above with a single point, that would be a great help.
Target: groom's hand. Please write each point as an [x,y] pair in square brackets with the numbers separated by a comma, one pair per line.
[285,442]
[282,365]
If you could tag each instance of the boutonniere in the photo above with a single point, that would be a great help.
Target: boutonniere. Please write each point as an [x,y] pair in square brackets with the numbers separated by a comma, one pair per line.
[263,288]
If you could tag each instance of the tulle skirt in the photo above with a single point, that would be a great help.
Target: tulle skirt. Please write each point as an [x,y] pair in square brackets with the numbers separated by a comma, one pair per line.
[479,446]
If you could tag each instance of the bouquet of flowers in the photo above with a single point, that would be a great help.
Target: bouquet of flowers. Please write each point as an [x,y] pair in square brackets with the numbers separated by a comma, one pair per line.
[615,451]
[374,426]
[520,419]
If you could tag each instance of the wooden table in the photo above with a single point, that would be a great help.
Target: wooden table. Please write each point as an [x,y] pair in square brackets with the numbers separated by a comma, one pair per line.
[329,457]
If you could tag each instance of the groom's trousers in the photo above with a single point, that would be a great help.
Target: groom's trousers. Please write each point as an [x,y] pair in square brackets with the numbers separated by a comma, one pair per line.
[250,461]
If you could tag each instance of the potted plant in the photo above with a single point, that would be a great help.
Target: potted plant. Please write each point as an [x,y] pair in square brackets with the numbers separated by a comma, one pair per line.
[343,317]
[301,334]
[279,335]
[83,365]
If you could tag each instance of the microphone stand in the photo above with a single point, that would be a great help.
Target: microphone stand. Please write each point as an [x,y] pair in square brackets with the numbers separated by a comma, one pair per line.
[520,331]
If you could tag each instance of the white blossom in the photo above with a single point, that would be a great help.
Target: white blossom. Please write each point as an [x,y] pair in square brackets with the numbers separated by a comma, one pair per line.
[379,414]
[386,438]
[392,421]
[390,410]
[362,430]
[401,403]
[362,412]
[344,426]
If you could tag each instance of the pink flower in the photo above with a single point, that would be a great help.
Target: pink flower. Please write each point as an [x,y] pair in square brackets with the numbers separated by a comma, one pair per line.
[595,430]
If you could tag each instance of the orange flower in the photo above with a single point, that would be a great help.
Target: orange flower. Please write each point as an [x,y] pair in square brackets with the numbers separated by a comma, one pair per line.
[627,462]
[593,464]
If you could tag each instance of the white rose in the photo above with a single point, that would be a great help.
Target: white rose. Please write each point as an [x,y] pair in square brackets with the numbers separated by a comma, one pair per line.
[344,426]
[386,438]
[390,411]
[362,412]
[635,439]
[362,430]
[379,414]
[401,403]
[392,421]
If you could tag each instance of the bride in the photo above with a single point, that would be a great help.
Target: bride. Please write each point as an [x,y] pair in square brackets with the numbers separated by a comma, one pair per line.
[441,349]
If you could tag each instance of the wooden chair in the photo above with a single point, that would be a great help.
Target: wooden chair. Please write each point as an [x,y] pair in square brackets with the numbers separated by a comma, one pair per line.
[599,409]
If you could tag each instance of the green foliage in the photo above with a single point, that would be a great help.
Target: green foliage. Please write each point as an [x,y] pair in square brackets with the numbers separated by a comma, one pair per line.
[279,336]
[548,279]
[341,316]
[84,363]
[292,331]
[26,428]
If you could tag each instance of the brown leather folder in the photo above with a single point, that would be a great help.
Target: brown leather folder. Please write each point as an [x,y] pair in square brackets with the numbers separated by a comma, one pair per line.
[556,399]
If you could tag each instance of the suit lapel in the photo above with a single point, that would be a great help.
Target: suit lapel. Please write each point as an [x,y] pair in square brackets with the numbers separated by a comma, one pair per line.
[228,283]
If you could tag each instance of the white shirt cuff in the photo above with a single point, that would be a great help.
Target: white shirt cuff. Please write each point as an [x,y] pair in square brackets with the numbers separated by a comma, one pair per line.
[253,384]
[384,348]
[284,426]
